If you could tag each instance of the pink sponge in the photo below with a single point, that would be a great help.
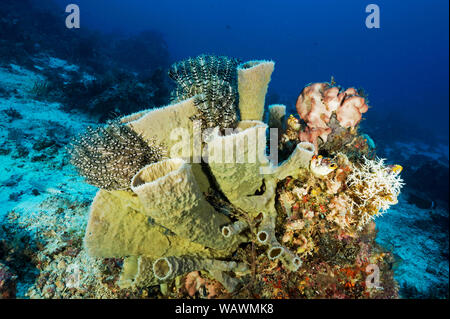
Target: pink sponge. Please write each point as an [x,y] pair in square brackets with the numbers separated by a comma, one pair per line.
[349,114]
[317,103]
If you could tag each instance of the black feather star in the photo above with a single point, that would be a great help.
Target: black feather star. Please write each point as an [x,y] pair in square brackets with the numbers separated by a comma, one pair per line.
[108,157]
[214,80]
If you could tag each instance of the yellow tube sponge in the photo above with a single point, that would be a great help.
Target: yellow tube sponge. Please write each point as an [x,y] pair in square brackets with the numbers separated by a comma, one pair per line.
[137,271]
[166,124]
[133,117]
[117,228]
[238,160]
[170,267]
[253,81]
[143,271]
[170,195]
[300,158]
[241,168]
[235,228]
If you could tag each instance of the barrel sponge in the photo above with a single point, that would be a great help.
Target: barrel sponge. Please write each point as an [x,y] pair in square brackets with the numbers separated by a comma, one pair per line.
[253,81]
[170,195]
[117,228]
[160,123]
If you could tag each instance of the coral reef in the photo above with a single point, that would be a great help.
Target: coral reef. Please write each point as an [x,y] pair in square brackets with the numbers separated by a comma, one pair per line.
[221,225]
[45,210]
[330,113]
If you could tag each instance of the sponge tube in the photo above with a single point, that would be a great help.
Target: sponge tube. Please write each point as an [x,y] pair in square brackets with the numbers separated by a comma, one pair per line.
[162,123]
[253,81]
[170,195]
[234,228]
[137,272]
[170,267]
[236,161]
[300,158]
[266,236]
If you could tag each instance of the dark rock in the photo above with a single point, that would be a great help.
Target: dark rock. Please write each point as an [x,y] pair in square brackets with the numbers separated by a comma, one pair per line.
[12,181]
[43,144]
[5,151]
[15,196]
[35,192]
[420,202]
[39,158]
[21,152]
[12,114]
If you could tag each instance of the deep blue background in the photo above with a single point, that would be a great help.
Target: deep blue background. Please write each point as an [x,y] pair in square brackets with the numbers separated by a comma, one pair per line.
[403,66]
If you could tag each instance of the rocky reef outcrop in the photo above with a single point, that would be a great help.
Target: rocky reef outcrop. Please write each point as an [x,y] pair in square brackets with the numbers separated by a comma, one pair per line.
[217,193]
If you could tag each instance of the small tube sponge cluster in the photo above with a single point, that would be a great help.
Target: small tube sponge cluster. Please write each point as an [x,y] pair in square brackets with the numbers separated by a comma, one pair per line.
[171,267]
[108,157]
[143,271]
[318,102]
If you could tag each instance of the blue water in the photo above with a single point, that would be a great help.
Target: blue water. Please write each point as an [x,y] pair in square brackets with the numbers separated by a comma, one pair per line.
[403,65]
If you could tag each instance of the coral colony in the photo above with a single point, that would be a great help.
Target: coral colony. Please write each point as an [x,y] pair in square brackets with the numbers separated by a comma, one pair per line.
[235,223]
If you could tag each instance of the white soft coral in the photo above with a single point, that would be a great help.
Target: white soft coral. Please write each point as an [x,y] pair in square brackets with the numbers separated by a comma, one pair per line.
[374,187]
